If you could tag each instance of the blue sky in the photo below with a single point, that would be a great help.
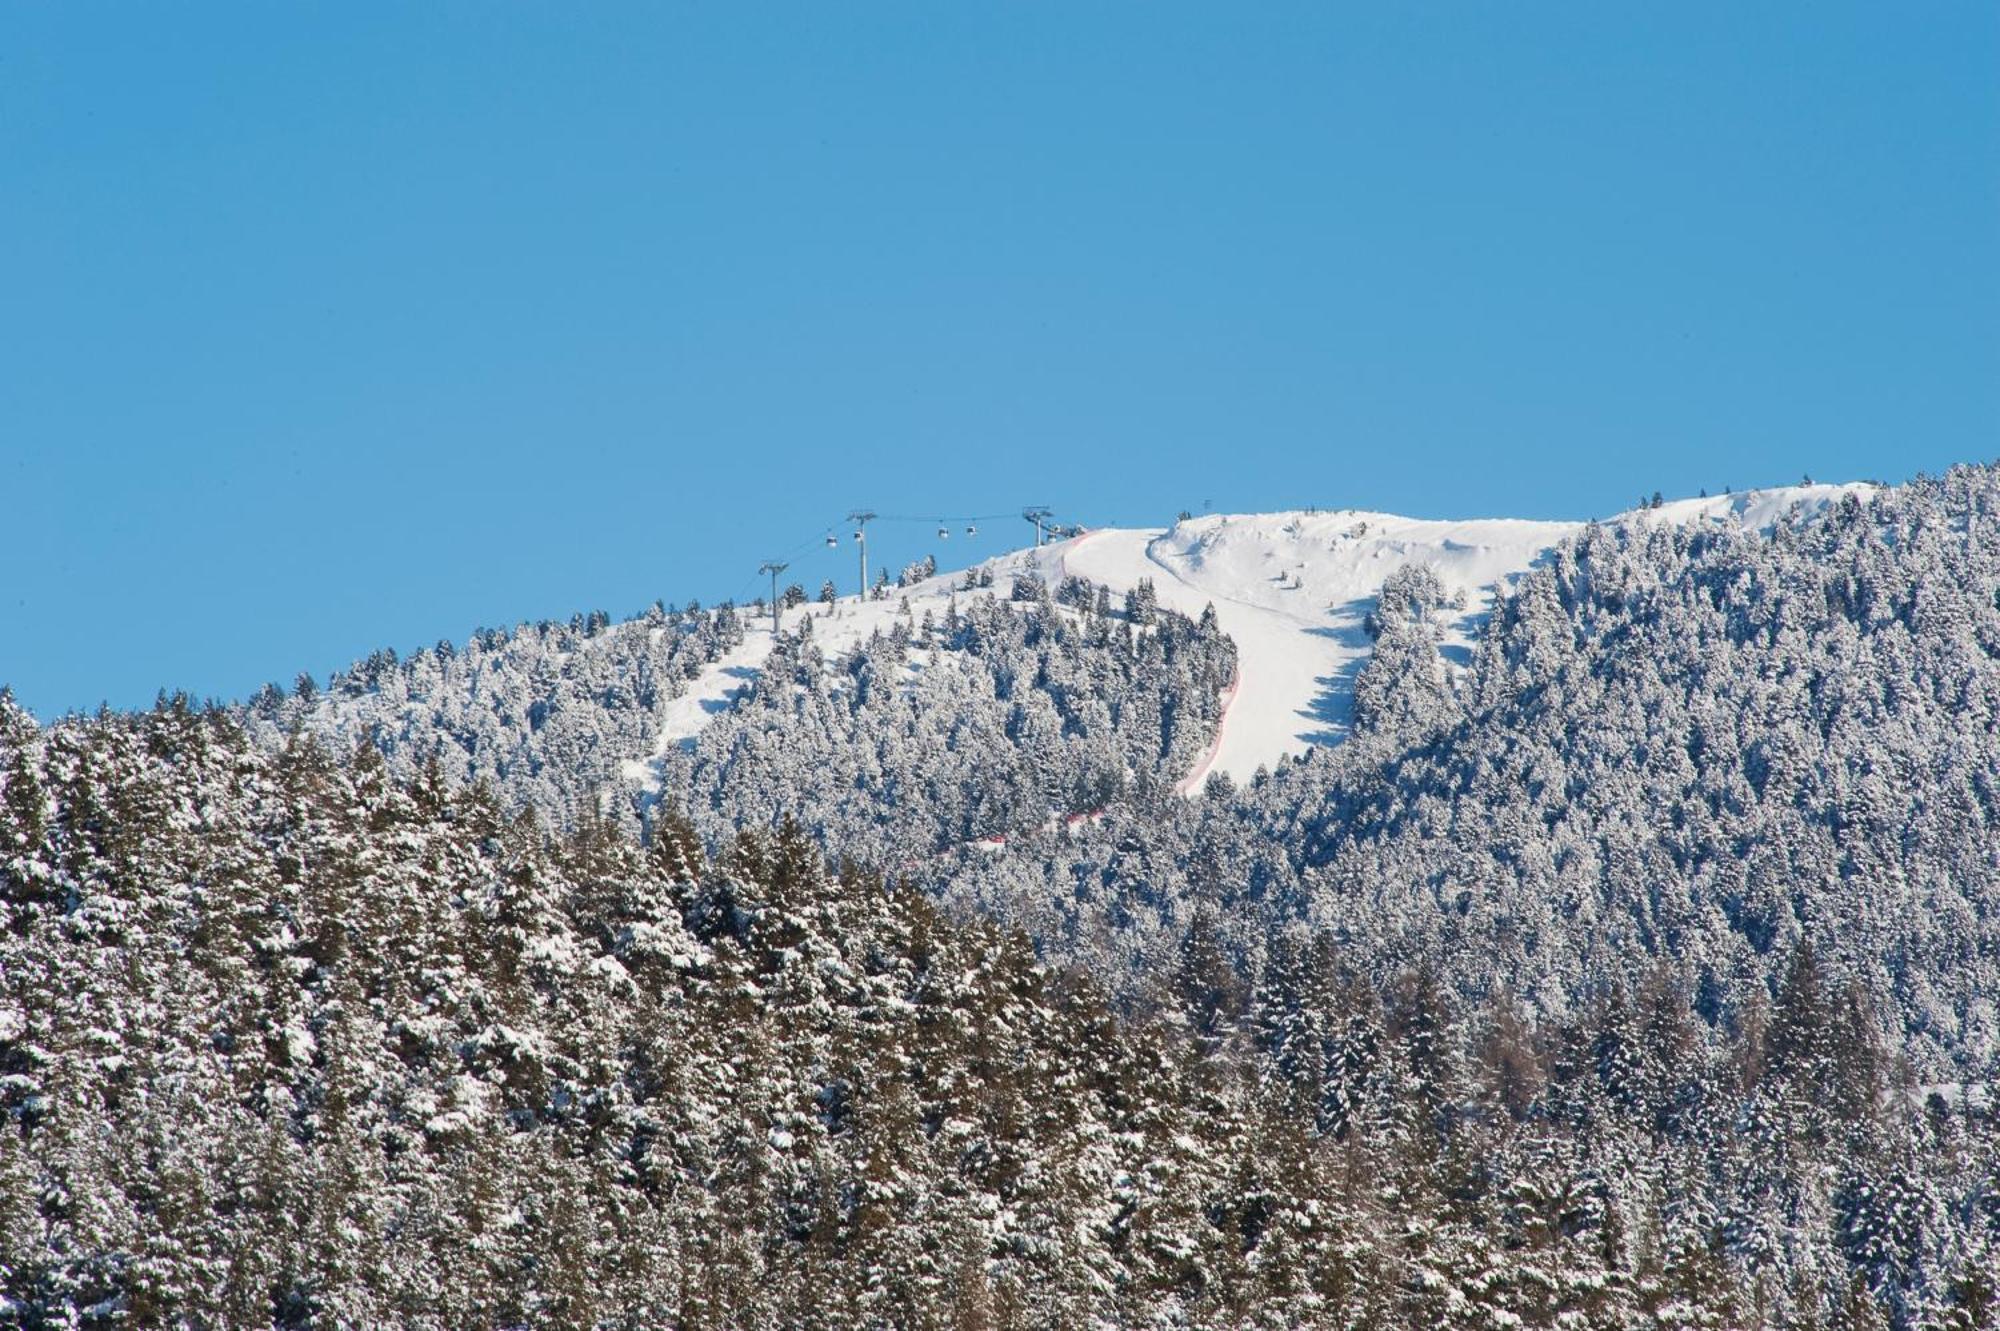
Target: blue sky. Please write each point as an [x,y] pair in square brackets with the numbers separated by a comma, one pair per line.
[327,327]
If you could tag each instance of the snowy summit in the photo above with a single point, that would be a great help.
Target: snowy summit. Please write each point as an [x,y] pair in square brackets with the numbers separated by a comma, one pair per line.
[1292,589]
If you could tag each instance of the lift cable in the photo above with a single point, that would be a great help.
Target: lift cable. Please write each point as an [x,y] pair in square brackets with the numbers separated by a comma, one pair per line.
[828,536]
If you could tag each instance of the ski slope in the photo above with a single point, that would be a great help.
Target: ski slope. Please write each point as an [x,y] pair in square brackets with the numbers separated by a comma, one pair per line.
[1292,590]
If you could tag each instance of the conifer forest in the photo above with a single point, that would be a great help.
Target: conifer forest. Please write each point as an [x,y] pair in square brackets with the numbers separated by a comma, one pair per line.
[1635,964]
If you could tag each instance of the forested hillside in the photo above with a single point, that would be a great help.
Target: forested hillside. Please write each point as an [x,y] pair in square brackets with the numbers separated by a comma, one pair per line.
[1641,968]
[992,721]
[544,713]
[286,1042]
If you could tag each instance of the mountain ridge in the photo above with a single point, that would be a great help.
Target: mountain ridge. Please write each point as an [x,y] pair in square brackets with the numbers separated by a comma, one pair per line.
[1300,642]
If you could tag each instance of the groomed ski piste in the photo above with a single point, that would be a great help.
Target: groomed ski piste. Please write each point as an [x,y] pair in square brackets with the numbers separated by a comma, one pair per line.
[1292,590]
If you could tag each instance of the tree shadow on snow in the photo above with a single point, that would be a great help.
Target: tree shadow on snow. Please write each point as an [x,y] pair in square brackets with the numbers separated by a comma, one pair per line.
[1332,709]
[714,706]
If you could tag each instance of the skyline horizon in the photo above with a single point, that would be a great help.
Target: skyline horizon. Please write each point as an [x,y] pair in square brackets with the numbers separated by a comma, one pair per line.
[328,329]
[837,566]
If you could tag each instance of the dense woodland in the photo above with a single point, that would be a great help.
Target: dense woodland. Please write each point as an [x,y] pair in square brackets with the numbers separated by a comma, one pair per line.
[1641,972]
[544,712]
[993,720]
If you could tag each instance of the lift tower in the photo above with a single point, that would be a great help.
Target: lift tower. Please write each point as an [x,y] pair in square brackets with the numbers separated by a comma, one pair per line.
[774,568]
[1037,515]
[861,517]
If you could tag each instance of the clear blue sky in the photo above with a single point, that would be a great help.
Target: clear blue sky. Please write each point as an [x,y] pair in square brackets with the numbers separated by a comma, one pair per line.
[326,327]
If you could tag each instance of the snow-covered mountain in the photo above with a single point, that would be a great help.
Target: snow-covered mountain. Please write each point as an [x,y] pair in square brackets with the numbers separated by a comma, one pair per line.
[1641,973]
[1293,589]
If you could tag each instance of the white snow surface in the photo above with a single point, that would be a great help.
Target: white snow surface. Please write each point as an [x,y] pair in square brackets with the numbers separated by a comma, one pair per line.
[1291,589]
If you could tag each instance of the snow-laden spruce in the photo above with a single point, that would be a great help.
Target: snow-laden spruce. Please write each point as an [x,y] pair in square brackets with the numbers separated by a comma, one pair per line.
[287,1043]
